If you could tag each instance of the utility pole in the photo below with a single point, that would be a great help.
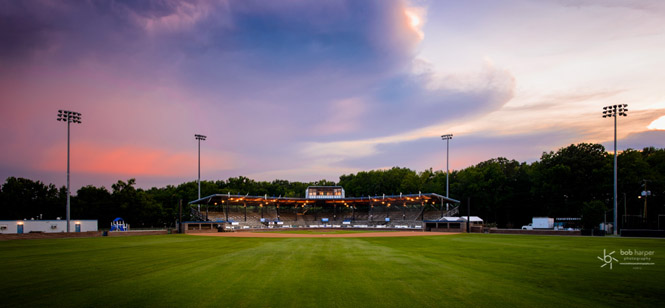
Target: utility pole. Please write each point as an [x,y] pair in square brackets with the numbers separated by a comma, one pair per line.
[625,210]
[180,219]
[645,194]
[468,215]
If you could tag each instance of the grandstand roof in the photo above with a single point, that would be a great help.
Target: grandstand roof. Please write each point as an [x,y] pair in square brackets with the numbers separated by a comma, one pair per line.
[456,219]
[324,186]
[383,199]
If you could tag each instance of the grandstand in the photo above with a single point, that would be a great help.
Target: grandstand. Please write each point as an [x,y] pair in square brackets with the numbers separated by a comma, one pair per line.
[324,206]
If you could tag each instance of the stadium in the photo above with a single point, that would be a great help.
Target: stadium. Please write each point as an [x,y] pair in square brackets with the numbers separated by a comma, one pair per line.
[294,94]
[327,207]
[329,250]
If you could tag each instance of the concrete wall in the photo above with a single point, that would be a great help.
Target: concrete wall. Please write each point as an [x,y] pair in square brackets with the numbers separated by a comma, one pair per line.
[8,226]
[139,232]
[26,236]
[86,225]
[445,226]
[200,227]
[535,232]
[46,226]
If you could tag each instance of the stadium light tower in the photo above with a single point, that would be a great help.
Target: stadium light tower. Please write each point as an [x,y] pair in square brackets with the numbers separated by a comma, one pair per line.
[199,138]
[447,138]
[69,117]
[615,111]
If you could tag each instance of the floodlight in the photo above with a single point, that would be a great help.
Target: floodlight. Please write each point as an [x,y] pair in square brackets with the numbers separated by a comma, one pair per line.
[613,112]
[69,117]
[199,138]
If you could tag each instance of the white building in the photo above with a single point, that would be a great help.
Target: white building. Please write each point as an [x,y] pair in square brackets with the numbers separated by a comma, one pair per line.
[46,226]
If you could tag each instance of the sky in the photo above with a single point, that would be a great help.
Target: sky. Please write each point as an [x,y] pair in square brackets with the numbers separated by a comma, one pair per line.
[309,90]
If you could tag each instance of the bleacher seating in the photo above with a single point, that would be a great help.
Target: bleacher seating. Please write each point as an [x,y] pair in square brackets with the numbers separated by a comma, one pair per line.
[399,216]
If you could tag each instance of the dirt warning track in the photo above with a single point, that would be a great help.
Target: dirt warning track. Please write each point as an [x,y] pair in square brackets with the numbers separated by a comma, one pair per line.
[330,235]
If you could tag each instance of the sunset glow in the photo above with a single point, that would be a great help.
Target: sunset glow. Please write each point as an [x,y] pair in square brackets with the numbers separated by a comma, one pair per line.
[415,20]
[658,124]
[303,91]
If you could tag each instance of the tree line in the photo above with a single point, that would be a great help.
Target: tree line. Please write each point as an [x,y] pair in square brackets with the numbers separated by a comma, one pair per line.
[575,181]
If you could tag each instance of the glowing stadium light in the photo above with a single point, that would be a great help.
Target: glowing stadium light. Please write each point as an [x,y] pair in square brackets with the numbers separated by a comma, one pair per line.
[615,111]
[68,117]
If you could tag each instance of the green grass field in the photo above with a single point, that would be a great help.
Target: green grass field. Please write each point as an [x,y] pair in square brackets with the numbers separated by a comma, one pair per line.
[325,231]
[434,271]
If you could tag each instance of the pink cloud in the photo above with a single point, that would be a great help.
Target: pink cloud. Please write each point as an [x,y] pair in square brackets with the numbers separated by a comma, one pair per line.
[129,160]
[342,116]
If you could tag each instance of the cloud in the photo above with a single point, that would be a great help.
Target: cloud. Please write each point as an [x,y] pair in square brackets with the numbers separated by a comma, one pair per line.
[310,88]
[273,61]
[658,124]
[410,101]
[465,150]
[293,36]
[639,140]
[649,6]
[131,161]
[270,60]
[343,116]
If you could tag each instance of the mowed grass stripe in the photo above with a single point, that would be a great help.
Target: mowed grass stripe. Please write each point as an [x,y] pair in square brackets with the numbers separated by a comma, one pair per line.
[322,231]
[563,269]
[67,274]
[452,270]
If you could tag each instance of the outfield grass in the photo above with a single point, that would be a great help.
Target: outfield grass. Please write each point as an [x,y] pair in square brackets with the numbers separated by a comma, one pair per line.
[326,231]
[449,270]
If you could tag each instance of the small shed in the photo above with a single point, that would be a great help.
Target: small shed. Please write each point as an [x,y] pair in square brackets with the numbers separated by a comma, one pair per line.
[451,224]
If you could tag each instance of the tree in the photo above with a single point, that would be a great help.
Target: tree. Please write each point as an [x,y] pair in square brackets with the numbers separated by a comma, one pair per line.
[136,206]
[93,203]
[567,183]
[564,180]
[593,213]
[23,198]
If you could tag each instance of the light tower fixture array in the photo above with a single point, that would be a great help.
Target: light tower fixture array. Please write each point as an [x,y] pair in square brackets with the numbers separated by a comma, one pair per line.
[200,138]
[447,138]
[68,117]
[614,111]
